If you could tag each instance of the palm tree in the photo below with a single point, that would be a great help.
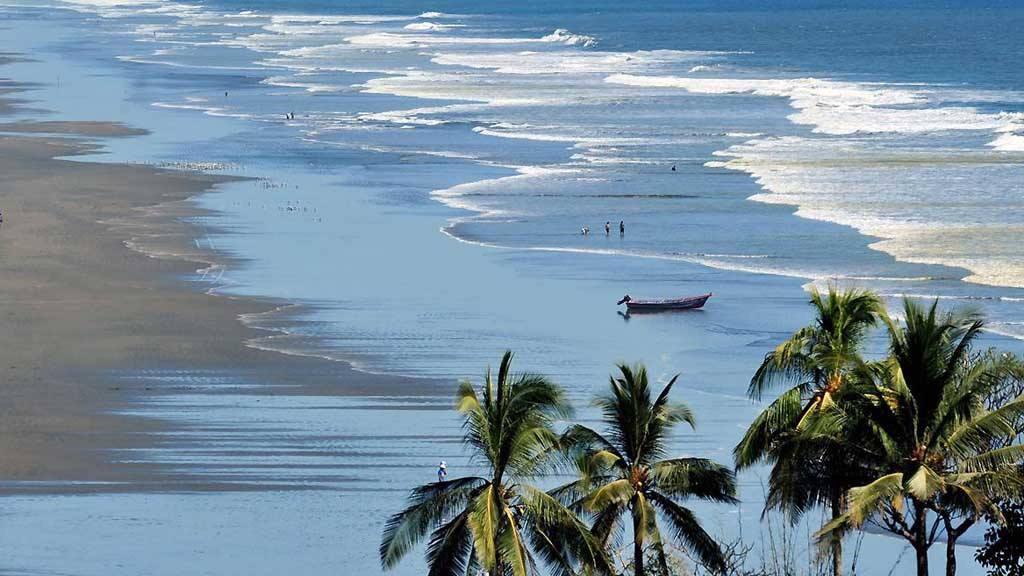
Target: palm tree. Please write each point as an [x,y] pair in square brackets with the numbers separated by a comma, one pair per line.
[499,523]
[935,446]
[624,472]
[810,469]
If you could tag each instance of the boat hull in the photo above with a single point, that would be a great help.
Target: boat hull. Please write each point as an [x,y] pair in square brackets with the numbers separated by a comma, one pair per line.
[677,304]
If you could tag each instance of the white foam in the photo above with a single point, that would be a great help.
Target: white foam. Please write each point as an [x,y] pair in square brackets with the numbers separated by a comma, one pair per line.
[735,265]
[1008,142]
[412,40]
[925,206]
[333,19]
[140,60]
[460,196]
[430,26]
[840,108]
[567,61]
[1013,330]
[426,116]
[293,82]
[208,110]
[538,134]
[460,87]
[563,36]
[399,40]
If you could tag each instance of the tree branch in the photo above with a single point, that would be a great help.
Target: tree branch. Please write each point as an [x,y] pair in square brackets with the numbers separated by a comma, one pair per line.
[896,524]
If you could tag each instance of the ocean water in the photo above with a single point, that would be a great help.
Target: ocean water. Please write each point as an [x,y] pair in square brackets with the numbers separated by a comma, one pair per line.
[422,173]
[901,125]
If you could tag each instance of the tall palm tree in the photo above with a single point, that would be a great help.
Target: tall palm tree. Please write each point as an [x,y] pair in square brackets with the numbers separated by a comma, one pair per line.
[624,472]
[499,523]
[935,445]
[810,469]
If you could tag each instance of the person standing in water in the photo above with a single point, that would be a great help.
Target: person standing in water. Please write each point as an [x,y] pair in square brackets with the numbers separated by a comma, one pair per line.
[622,228]
[442,471]
[607,228]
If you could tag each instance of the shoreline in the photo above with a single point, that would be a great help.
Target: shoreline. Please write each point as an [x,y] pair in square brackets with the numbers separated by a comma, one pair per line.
[97,264]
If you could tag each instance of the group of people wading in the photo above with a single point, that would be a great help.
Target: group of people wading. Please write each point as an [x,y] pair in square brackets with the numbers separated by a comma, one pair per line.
[585,231]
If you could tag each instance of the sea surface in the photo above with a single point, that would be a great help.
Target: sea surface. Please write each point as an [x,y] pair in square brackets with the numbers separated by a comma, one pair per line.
[422,173]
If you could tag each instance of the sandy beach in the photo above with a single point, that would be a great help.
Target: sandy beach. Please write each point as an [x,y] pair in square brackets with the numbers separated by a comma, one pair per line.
[78,302]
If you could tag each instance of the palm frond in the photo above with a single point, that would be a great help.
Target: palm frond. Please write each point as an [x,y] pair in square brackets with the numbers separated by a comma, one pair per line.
[607,523]
[924,483]
[779,417]
[978,434]
[687,531]
[695,477]
[511,549]
[486,516]
[450,550]
[615,492]
[565,541]
[789,362]
[428,506]
[996,459]
[866,500]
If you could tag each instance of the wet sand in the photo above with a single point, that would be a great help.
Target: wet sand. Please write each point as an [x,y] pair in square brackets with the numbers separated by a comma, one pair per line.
[79,306]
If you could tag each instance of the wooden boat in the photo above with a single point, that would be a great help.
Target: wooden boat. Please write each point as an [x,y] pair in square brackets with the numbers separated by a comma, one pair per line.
[685,303]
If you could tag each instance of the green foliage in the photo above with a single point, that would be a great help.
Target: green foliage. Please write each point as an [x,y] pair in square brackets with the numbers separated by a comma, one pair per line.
[500,522]
[1003,551]
[933,442]
[924,442]
[804,433]
[623,473]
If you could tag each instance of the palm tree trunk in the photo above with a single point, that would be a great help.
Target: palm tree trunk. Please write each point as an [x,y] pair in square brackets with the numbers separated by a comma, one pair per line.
[921,538]
[638,546]
[953,533]
[837,540]
[950,556]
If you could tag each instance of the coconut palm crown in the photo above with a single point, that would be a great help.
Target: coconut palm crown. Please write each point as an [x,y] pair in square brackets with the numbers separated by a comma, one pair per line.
[811,468]
[499,522]
[624,473]
[936,447]
[814,362]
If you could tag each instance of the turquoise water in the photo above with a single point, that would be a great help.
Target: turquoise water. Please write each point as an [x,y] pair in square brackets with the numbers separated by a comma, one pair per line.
[424,204]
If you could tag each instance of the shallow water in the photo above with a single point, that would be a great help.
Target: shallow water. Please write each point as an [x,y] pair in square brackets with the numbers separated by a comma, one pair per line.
[413,133]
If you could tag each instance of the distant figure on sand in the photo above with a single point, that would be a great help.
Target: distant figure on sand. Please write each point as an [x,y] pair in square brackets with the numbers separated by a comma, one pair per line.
[622,228]
[607,228]
[442,471]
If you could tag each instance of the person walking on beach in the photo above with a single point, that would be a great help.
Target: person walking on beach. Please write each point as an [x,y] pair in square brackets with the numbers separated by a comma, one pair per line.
[622,228]
[607,228]
[442,471]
